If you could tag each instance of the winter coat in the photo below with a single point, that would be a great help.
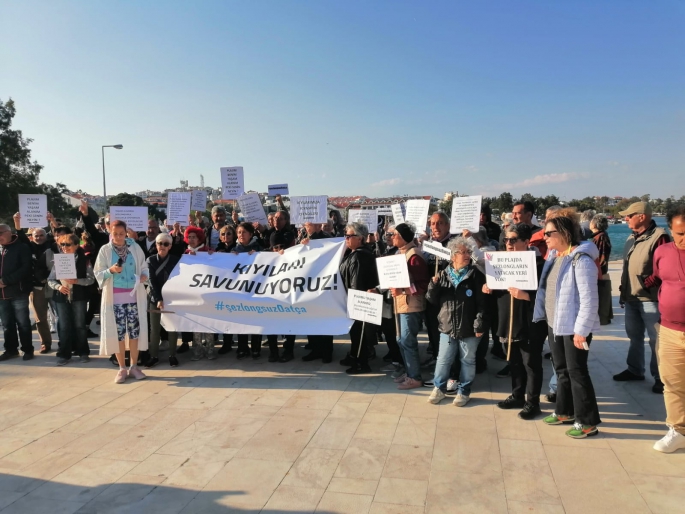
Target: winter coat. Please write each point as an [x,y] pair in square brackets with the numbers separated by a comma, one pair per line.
[638,259]
[158,277]
[358,269]
[16,269]
[419,278]
[84,274]
[463,310]
[576,309]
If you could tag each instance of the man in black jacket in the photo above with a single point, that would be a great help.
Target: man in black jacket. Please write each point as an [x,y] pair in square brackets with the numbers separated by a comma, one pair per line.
[147,243]
[16,269]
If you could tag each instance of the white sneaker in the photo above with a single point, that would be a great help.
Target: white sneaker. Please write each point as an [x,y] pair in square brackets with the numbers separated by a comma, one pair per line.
[436,396]
[671,442]
[460,400]
[452,386]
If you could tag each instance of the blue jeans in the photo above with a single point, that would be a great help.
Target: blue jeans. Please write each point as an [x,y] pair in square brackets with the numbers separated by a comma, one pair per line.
[449,349]
[410,324]
[73,333]
[14,314]
[641,316]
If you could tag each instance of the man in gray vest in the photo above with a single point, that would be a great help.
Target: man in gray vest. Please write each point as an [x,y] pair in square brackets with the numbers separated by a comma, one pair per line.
[639,292]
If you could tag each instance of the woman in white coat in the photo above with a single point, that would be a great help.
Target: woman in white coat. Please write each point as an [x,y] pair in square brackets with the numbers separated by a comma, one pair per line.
[121,269]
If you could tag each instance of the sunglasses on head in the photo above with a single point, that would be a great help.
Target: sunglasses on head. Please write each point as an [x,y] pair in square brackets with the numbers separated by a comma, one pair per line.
[164,244]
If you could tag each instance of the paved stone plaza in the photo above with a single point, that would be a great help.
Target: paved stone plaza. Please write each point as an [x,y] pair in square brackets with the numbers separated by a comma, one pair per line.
[250,436]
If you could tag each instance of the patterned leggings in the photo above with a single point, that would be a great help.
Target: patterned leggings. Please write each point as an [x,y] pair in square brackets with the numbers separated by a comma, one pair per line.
[126,316]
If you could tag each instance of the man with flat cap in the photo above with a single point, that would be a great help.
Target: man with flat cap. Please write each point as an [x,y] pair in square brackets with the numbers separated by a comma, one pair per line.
[639,292]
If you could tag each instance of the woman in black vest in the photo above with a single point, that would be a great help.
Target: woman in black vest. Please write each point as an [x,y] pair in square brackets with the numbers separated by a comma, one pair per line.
[71,300]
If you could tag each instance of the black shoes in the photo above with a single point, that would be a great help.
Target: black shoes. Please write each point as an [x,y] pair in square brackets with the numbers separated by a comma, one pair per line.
[347,361]
[286,357]
[183,348]
[242,354]
[551,397]
[225,348]
[358,369]
[504,372]
[658,387]
[173,362]
[481,366]
[273,356]
[256,354]
[627,376]
[530,411]
[27,356]
[8,355]
[152,362]
[327,359]
[311,356]
[511,403]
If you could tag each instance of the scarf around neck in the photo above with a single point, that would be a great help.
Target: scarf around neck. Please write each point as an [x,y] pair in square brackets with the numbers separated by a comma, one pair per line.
[456,277]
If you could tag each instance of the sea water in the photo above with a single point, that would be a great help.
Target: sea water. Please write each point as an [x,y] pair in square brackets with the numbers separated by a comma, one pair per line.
[619,233]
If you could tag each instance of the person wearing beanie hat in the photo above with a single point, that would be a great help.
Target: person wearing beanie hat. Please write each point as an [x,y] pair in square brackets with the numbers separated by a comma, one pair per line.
[410,304]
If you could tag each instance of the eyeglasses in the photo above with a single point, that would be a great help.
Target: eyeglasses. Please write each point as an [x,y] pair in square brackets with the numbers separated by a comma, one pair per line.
[550,232]
[347,236]
[633,214]
[462,252]
[66,245]
[510,240]
[163,244]
[224,234]
[391,234]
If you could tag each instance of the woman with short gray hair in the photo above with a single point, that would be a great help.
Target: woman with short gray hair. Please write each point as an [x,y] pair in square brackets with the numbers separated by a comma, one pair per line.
[599,226]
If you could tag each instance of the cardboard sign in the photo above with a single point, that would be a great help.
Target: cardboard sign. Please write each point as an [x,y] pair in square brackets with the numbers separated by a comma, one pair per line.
[232,183]
[65,265]
[465,214]
[417,213]
[312,209]
[198,200]
[393,271]
[363,306]
[178,208]
[511,269]
[437,249]
[398,211]
[134,217]
[278,189]
[368,217]
[251,208]
[33,210]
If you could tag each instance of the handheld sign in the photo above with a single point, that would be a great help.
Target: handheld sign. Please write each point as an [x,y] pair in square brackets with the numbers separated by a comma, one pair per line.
[232,182]
[363,306]
[178,208]
[312,209]
[465,214]
[198,200]
[368,217]
[134,217]
[65,265]
[511,269]
[437,249]
[33,210]
[417,213]
[278,189]
[398,211]
[393,272]
[252,209]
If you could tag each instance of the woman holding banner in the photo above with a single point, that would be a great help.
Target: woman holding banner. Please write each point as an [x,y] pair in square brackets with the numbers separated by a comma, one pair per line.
[120,268]
[567,299]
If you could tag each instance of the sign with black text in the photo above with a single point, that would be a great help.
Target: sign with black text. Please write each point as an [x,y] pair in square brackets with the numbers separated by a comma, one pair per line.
[134,217]
[278,189]
[312,209]
[33,210]
[252,209]
[465,214]
[393,272]
[178,208]
[363,306]
[65,265]
[232,182]
[436,249]
[511,269]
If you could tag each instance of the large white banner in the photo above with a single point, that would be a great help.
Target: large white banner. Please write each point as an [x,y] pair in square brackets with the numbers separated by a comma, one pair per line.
[299,292]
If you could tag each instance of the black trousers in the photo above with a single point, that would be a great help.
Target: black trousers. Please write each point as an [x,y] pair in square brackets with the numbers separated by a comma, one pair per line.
[526,370]
[431,317]
[93,306]
[255,342]
[575,392]
[390,332]
[322,345]
[288,346]
[366,344]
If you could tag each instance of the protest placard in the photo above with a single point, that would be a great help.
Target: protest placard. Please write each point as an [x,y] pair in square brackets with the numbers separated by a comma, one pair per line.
[363,306]
[252,209]
[198,200]
[384,211]
[436,249]
[232,182]
[278,189]
[368,217]
[465,214]
[392,271]
[398,211]
[417,213]
[65,265]
[311,209]
[178,208]
[134,217]
[33,210]
[511,269]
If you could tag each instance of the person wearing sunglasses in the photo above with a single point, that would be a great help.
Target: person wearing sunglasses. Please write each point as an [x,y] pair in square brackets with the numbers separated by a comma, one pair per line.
[227,239]
[71,298]
[160,265]
[568,301]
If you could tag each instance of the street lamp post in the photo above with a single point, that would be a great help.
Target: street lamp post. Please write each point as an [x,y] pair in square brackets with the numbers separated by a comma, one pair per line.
[104,185]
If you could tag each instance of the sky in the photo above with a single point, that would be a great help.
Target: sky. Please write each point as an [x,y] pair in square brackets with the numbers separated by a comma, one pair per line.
[573,98]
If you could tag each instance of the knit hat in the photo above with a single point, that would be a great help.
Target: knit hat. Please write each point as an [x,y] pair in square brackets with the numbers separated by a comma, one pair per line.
[405,231]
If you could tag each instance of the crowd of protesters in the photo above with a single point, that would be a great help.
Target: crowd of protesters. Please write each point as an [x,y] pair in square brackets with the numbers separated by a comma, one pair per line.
[450,298]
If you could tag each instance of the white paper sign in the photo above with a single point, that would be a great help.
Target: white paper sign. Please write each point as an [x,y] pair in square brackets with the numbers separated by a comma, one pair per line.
[65,265]
[437,249]
[363,306]
[33,210]
[278,189]
[511,269]
[465,214]
[198,200]
[417,213]
[252,209]
[134,217]
[368,217]
[384,211]
[393,271]
[313,209]
[178,208]
[398,211]
[232,182]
